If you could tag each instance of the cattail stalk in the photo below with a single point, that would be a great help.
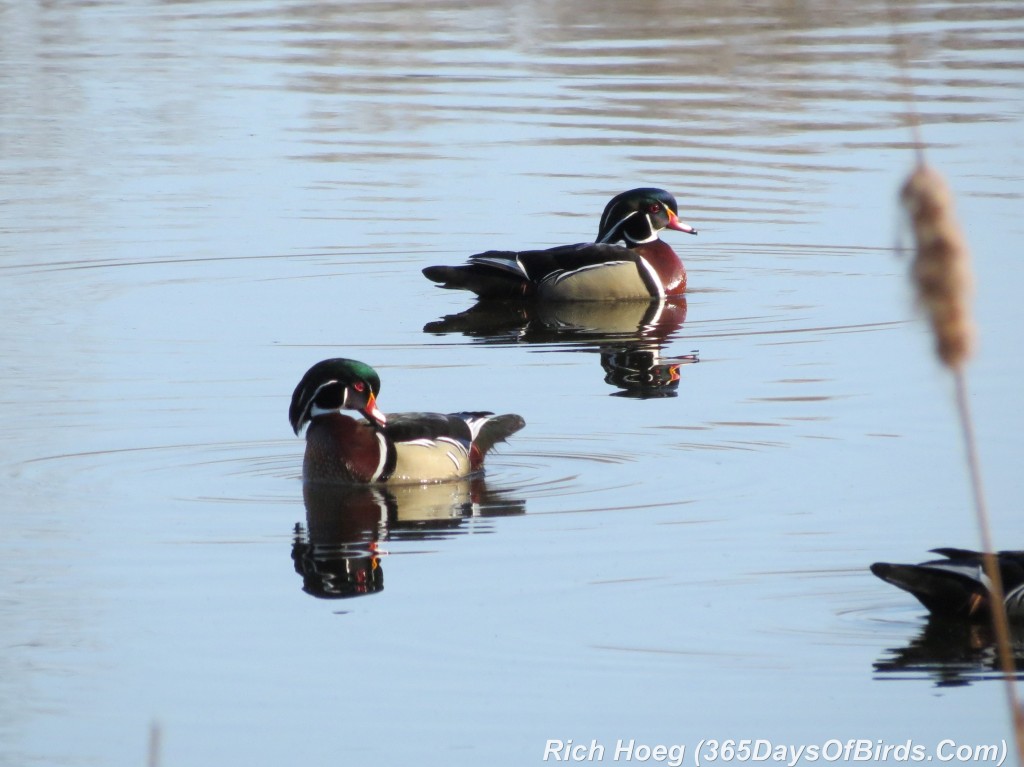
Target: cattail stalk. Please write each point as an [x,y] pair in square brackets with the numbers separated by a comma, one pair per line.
[154,745]
[942,268]
[942,277]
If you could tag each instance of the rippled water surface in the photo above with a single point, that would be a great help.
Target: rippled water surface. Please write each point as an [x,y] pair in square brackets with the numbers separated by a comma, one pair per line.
[201,199]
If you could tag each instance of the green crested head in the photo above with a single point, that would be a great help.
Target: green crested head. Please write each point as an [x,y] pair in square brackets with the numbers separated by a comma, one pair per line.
[333,385]
[638,215]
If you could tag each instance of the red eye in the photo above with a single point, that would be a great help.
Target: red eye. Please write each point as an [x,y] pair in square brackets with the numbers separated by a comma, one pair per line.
[654,208]
[359,386]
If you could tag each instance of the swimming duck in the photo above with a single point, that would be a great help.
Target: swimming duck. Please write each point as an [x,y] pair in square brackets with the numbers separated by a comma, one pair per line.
[400,447]
[956,586]
[643,267]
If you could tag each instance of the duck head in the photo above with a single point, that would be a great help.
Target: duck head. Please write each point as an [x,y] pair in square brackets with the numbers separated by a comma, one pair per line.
[638,215]
[334,385]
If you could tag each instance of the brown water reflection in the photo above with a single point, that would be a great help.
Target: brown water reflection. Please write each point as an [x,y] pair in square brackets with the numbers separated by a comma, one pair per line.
[339,553]
[952,653]
[628,335]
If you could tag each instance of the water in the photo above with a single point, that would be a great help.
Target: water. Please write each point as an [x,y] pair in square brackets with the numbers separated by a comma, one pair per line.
[202,199]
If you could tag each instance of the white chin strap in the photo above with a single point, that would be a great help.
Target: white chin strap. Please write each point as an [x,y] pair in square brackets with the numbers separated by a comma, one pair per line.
[314,411]
[650,226]
[653,236]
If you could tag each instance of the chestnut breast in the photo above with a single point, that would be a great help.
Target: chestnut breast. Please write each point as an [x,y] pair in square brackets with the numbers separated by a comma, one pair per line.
[341,449]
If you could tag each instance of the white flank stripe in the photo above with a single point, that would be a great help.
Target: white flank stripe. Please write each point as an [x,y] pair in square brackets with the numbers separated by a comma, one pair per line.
[475,424]
[383,456]
[456,444]
[654,276]
[557,277]
[422,442]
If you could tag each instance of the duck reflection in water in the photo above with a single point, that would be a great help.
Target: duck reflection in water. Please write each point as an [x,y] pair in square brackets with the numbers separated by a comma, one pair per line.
[952,652]
[629,336]
[339,553]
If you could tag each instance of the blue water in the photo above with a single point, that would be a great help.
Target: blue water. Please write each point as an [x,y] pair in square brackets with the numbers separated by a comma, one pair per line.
[202,199]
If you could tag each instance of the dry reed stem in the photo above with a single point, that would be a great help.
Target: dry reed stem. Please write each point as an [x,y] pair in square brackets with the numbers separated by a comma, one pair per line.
[1000,623]
[154,745]
[942,277]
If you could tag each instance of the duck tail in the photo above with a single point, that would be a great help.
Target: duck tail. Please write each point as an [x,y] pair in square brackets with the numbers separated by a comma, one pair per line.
[484,279]
[944,592]
[489,429]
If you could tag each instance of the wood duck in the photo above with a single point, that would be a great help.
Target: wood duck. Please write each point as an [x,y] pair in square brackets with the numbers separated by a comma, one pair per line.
[401,447]
[643,267]
[957,587]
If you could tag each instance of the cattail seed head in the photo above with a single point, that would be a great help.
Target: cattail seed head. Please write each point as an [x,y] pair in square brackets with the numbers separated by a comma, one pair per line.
[941,270]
